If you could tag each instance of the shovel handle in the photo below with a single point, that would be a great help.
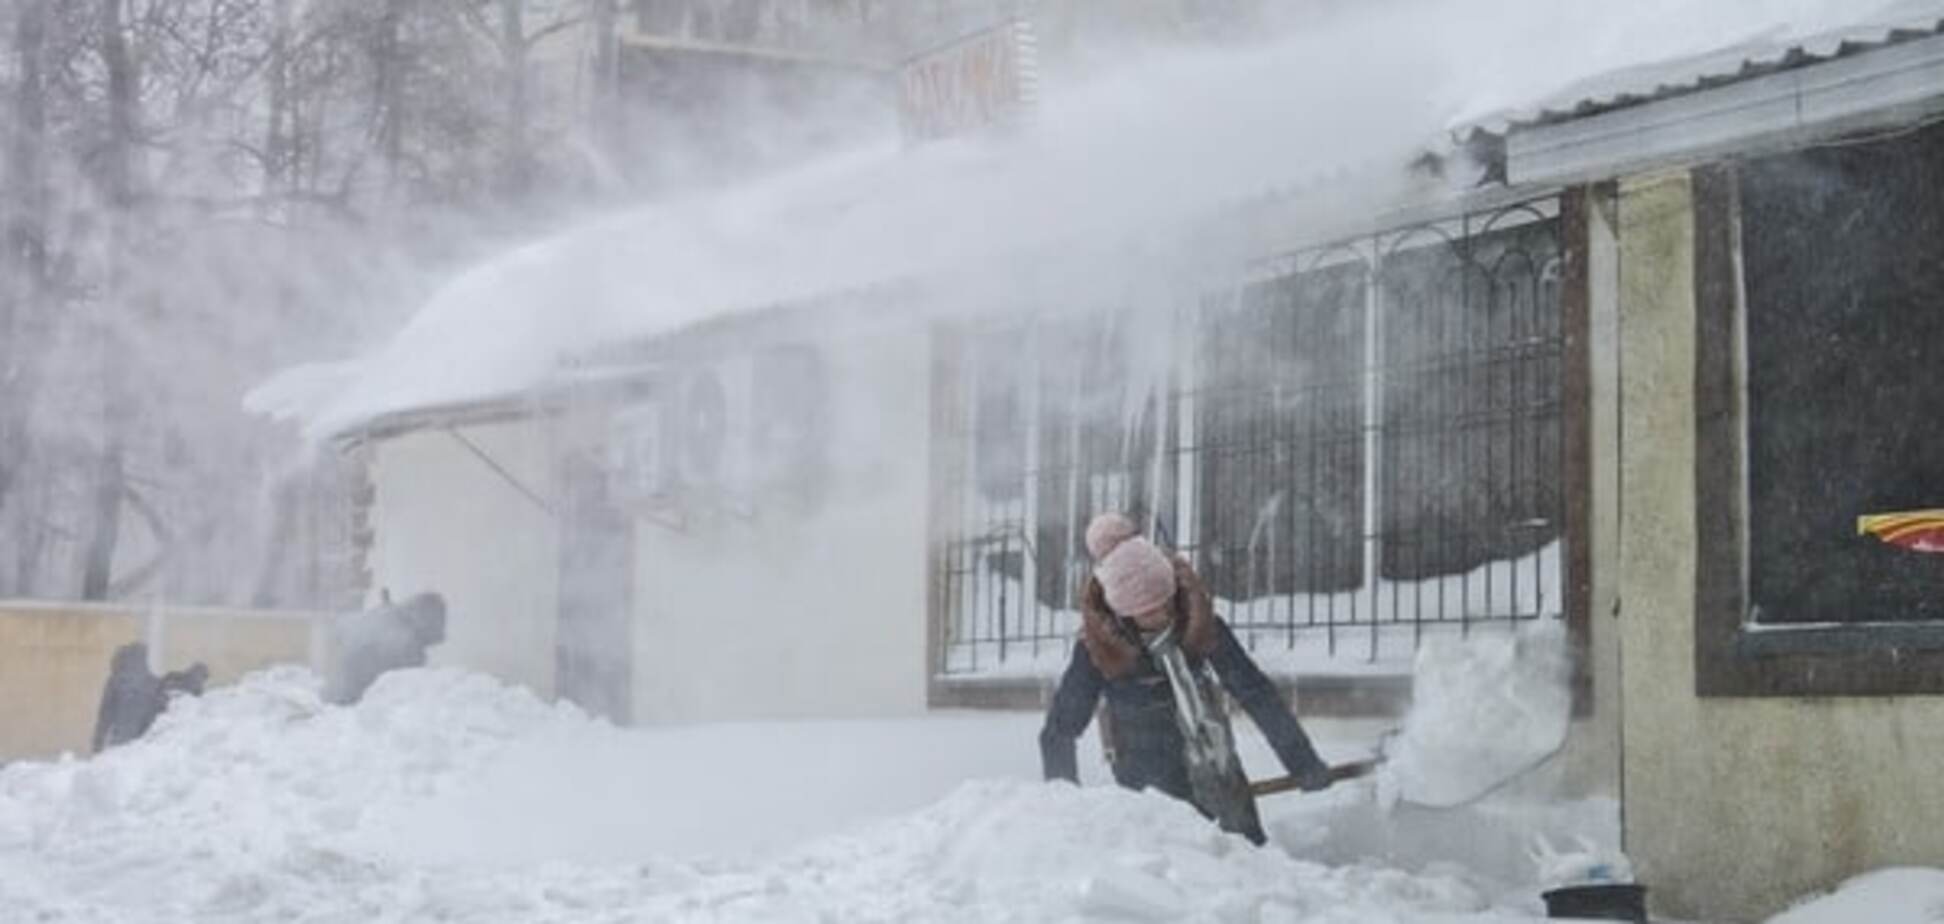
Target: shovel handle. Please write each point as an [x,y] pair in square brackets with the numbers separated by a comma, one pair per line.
[1338,773]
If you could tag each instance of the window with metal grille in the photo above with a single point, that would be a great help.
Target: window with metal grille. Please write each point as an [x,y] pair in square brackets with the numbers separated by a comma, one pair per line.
[1052,433]
[1471,429]
[1362,442]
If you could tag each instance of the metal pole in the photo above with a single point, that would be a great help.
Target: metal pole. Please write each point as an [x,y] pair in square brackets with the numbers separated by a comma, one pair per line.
[1373,421]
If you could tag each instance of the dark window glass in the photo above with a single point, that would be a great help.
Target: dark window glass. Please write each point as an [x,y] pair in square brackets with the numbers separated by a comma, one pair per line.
[1471,435]
[1843,265]
[1279,437]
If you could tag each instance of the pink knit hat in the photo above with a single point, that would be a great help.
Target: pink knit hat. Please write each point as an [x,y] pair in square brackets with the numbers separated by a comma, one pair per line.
[1135,575]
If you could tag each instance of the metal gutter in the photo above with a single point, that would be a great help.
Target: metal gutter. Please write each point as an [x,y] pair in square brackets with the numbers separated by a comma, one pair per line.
[1897,84]
[464,413]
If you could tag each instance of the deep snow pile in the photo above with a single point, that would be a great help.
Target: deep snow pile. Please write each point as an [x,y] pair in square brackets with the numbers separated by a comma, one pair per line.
[239,798]
[259,802]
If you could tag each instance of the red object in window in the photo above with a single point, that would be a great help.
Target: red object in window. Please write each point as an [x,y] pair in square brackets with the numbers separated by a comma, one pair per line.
[1917,530]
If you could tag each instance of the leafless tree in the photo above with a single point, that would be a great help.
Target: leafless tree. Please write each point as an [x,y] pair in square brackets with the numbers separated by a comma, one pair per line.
[196,192]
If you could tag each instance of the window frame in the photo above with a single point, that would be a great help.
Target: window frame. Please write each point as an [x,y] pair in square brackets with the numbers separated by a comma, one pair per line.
[1734,655]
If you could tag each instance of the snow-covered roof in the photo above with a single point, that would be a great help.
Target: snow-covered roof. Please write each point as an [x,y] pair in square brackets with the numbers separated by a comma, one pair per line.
[1165,139]
[1820,34]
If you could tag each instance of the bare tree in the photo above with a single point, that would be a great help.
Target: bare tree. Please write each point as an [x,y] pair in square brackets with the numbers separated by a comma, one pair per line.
[196,192]
[23,265]
[114,177]
[603,19]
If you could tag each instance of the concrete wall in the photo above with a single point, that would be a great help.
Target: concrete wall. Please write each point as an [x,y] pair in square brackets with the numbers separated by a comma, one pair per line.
[457,519]
[1733,806]
[781,614]
[54,659]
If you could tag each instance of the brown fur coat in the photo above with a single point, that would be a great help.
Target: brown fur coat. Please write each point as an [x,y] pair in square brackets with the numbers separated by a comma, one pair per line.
[1115,648]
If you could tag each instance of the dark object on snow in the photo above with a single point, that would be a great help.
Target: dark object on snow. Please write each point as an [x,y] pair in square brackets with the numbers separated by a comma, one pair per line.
[1604,902]
[130,700]
[367,644]
[189,682]
[1149,750]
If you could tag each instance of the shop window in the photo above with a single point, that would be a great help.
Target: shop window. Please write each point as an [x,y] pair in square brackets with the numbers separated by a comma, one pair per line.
[1820,303]
[1843,266]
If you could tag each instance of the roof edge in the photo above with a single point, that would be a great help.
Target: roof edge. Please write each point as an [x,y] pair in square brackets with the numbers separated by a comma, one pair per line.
[1887,85]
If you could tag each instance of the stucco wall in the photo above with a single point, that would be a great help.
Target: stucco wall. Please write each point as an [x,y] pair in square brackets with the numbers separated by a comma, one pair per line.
[779,614]
[54,658]
[445,520]
[1733,806]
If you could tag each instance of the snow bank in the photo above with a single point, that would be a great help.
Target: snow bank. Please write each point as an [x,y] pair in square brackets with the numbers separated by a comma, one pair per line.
[724,790]
[260,802]
[1484,710]
[1033,851]
[239,797]
[1887,896]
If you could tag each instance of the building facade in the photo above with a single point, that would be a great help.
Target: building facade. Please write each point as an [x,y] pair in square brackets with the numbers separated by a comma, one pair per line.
[1645,381]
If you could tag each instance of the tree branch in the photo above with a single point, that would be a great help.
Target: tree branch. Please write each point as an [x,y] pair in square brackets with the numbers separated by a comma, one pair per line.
[476,20]
[554,28]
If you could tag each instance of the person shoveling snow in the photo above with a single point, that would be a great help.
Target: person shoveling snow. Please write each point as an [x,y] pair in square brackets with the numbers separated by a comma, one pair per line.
[1150,642]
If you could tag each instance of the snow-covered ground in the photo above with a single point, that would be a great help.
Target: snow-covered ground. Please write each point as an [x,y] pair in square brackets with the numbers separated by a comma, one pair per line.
[1887,896]
[448,796]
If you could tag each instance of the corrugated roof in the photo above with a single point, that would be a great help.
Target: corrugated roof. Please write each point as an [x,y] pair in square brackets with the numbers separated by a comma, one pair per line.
[1779,50]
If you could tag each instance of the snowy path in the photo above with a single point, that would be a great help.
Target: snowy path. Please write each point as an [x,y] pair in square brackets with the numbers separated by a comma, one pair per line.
[445,796]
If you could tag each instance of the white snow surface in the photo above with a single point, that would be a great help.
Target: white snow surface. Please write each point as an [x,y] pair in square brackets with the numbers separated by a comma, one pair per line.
[1484,710]
[1899,895]
[448,796]
[1336,109]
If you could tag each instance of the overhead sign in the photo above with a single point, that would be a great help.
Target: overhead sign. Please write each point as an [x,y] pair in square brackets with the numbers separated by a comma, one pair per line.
[985,79]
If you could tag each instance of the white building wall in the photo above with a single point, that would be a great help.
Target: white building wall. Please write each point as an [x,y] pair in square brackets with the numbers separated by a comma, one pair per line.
[770,613]
[445,520]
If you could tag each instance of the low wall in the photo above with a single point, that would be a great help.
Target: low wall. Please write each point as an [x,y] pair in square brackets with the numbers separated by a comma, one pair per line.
[54,658]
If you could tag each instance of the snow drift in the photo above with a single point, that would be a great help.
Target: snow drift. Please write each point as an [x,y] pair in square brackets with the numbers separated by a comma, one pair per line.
[260,802]
[1888,896]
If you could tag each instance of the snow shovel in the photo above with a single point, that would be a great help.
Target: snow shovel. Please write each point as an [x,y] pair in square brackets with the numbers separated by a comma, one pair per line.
[1415,795]
[1338,773]
[1486,713]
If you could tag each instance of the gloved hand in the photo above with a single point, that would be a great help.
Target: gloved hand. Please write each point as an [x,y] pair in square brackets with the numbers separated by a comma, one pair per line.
[1314,777]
